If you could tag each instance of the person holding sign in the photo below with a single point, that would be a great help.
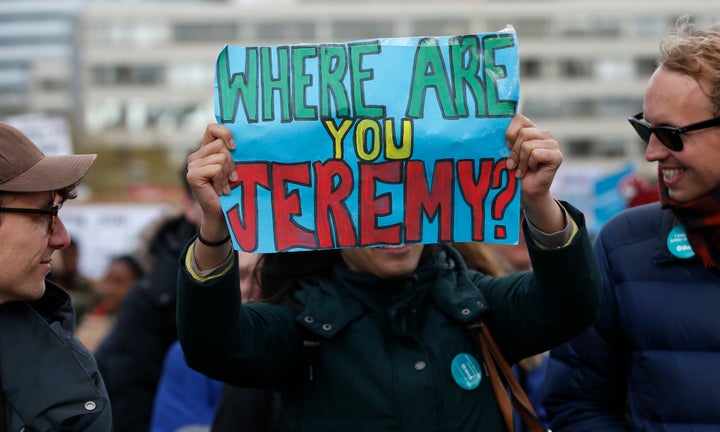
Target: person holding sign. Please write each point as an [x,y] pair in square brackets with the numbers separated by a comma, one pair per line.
[650,362]
[376,338]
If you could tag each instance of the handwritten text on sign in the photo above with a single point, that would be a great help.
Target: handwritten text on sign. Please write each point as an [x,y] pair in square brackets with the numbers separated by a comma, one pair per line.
[373,142]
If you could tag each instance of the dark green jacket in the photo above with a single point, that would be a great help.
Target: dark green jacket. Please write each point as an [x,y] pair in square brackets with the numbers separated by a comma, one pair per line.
[366,354]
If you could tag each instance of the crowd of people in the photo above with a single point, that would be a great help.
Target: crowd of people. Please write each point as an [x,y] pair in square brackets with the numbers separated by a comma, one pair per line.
[614,333]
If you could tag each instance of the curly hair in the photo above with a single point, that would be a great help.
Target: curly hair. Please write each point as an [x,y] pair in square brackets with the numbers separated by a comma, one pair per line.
[694,51]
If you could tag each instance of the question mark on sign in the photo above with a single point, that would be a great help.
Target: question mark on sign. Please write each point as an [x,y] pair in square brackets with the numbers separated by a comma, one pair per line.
[504,196]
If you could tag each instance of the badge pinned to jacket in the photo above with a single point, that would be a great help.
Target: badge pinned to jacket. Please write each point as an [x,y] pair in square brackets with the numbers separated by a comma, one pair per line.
[466,371]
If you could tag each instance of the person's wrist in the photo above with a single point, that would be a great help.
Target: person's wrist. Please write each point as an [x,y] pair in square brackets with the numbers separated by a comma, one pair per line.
[213,234]
[545,213]
[213,243]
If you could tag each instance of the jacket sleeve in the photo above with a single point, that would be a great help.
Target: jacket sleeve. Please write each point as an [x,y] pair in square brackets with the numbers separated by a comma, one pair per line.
[531,312]
[245,345]
[584,387]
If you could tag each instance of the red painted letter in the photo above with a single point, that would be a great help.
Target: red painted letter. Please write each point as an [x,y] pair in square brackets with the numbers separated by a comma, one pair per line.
[371,206]
[419,198]
[333,185]
[286,204]
[250,177]
[474,192]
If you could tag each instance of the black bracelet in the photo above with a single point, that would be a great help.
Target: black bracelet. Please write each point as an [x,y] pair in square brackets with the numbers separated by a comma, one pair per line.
[213,243]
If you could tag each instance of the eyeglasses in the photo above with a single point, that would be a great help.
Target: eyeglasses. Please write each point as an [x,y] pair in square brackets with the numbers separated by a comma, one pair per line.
[669,136]
[53,213]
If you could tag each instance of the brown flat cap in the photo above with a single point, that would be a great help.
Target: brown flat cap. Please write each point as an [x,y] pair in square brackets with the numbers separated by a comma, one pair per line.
[24,168]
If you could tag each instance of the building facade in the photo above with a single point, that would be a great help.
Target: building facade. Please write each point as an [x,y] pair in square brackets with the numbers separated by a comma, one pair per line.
[38,48]
[142,73]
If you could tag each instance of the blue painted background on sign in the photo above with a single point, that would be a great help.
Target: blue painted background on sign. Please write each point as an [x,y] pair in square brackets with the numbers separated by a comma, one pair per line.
[415,93]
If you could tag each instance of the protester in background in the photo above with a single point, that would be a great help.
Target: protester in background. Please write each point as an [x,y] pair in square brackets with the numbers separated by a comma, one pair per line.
[122,273]
[650,362]
[364,338]
[186,399]
[83,295]
[48,380]
[638,191]
[131,357]
[512,258]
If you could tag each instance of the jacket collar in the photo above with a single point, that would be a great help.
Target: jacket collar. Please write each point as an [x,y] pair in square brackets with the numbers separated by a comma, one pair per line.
[55,305]
[441,279]
[455,293]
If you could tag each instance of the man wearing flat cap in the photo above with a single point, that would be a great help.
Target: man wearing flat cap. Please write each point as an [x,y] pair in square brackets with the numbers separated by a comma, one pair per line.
[48,380]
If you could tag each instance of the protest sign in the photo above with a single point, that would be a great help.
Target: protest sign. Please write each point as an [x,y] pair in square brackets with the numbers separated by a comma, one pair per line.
[373,142]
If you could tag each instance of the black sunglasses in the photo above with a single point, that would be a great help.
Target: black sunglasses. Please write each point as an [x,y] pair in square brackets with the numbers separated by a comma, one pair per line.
[669,136]
[53,213]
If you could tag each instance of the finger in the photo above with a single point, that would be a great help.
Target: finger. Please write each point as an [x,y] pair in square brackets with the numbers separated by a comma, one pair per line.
[544,158]
[514,139]
[517,123]
[212,150]
[533,139]
[212,168]
[218,138]
[215,131]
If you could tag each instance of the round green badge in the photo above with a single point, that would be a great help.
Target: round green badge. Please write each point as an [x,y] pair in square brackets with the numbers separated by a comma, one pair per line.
[678,244]
[466,371]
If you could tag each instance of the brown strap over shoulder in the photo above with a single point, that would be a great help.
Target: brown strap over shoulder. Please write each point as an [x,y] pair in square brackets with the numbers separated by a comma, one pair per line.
[507,389]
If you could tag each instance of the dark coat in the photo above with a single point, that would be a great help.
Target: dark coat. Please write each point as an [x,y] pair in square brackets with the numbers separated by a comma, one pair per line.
[249,409]
[50,381]
[651,362]
[368,354]
[131,357]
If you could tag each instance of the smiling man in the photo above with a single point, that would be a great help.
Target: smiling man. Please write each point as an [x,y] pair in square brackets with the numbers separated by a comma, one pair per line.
[650,361]
[48,380]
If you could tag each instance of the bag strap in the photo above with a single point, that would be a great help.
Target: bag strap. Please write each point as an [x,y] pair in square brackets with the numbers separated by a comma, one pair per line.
[507,389]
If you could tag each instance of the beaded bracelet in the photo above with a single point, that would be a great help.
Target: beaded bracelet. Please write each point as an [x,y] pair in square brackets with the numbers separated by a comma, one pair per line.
[213,243]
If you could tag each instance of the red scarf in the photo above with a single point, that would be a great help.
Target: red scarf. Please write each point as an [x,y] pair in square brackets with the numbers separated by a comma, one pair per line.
[701,220]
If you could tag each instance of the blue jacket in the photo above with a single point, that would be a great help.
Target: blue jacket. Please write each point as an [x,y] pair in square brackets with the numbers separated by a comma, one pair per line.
[363,354]
[184,397]
[651,362]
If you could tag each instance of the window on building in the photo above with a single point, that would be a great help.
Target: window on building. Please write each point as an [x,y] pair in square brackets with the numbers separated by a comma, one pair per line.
[576,68]
[579,147]
[530,68]
[128,75]
[352,30]
[53,85]
[645,66]
[191,32]
[610,147]
[285,32]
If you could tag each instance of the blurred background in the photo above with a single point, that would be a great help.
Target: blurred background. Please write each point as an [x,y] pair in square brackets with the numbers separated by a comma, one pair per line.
[133,81]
